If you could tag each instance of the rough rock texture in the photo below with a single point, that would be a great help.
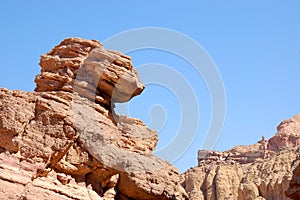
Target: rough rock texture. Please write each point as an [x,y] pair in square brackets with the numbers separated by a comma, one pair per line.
[84,66]
[259,171]
[64,141]
[294,190]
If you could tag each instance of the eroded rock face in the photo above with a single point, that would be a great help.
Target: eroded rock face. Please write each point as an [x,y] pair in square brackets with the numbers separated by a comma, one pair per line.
[294,189]
[64,141]
[259,171]
[85,67]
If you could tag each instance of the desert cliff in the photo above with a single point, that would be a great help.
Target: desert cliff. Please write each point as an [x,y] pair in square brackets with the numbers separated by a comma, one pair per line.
[64,141]
[259,171]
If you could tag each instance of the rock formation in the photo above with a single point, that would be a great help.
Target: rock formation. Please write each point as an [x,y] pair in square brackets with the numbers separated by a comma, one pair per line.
[64,140]
[259,171]
[294,190]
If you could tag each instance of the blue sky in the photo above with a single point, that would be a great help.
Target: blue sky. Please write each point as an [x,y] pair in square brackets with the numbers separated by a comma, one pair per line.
[255,45]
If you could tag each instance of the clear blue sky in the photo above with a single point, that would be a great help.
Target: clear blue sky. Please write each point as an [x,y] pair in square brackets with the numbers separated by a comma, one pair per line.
[255,45]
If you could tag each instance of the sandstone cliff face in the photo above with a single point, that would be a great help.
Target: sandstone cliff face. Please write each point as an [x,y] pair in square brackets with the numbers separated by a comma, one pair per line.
[294,189]
[64,140]
[259,171]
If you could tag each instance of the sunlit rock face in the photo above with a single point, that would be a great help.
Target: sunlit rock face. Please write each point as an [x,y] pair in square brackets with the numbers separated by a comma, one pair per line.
[260,171]
[64,140]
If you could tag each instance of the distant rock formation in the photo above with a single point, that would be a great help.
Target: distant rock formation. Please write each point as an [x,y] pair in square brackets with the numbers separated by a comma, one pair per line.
[259,171]
[64,140]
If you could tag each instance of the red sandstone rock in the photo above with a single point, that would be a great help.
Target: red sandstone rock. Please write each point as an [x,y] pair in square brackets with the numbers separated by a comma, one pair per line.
[259,171]
[64,141]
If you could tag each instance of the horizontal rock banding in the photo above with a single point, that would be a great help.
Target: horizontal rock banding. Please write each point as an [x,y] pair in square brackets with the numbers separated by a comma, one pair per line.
[84,66]
[64,140]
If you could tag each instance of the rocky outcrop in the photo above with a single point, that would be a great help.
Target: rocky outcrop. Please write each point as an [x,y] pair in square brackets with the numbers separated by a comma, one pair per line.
[294,190]
[64,140]
[84,66]
[259,171]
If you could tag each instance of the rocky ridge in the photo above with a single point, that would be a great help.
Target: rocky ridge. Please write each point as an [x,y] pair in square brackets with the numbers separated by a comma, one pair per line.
[64,140]
[259,171]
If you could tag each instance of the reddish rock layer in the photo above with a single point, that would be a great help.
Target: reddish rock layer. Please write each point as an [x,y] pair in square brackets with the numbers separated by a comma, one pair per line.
[65,142]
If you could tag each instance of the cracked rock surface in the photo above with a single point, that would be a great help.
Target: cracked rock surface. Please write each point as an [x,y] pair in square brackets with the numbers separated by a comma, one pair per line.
[294,188]
[64,140]
[260,171]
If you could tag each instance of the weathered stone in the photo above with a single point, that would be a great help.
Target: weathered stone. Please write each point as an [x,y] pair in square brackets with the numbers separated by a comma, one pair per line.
[259,171]
[64,141]
[85,67]
[294,189]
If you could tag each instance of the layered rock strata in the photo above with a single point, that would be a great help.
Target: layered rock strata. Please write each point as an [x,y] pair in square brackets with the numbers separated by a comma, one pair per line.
[259,171]
[64,140]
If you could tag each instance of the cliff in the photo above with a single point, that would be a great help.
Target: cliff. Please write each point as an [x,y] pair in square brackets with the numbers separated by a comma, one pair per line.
[64,140]
[260,171]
